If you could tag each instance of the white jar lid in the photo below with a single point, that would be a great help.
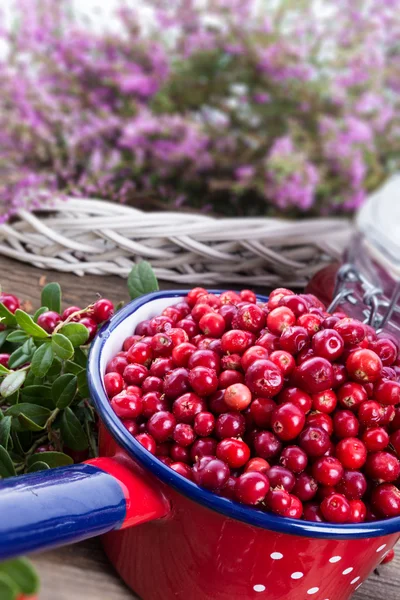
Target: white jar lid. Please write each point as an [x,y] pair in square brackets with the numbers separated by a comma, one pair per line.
[379,222]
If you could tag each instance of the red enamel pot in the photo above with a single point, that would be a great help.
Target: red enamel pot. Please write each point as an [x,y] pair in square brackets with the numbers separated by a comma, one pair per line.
[170,539]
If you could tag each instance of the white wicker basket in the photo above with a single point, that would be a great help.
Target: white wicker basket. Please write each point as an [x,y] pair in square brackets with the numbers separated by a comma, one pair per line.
[93,236]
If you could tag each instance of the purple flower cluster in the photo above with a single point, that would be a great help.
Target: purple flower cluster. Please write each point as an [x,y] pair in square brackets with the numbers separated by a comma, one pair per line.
[234,106]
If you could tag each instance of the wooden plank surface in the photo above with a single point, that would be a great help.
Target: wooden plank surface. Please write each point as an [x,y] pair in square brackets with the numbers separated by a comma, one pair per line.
[81,571]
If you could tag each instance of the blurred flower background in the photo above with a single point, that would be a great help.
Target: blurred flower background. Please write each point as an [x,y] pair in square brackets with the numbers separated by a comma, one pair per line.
[235,107]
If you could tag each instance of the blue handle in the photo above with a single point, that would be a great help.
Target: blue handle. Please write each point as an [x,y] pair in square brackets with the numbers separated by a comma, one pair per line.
[58,506]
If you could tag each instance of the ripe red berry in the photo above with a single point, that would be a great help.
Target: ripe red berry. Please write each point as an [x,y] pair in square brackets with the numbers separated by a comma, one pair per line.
[257,464]
[375,439]
[204,423]
[327,470]
[206,446]
[358,511]
[279,319]
[312,512]
[364,366]
[325,401]
[387,392]
[113,384]
[116,365]
[294,339]
[11,302]
[49,320]
[229,377]
[287,421]
[102,310]
[314,441]
[310,322]
[90,325]
[353,485]
[251,355]
[126,405]
[382,467]
[210,473]
[152,402]
[237,396]
[369,413]
[351,395]
[350,330]
[261,410]
[204,381]
[305,487]
[251,488]
[336,509]
[386,350]
[283,360]
[314,375]
[385,499]
[234,452]
[351,452]
[263,378]
[184,434]
[328,344]
[297,397]
[266,444]
[182,469]
[237,341]
[147,442]
[4,358]
[230,425]
[278,501]
[212,324]
[294,459]
[281,477]
[345,424]
[249,317]
[135,374]
[204,358]
[161,425]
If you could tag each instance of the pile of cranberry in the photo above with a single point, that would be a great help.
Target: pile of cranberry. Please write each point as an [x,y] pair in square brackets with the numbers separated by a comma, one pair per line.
[279,405]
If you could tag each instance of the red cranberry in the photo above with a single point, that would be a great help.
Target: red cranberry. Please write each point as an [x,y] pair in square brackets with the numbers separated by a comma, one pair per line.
[387,392]
[369,413]
[261,411]
[248,296]
[229,377]
[295,510]
[249,317]
[350,330]
[102,310]
[310,322]
[339,375]
[204,423]
[336,509]
[113,384]
[182,469]
[206,446]
[234,452]
[320,420]
[266,444]
[182,353]
[351,395]
[135,374]
[212,324]
[364,366]
[314,375]
[328,344]
[269,341]
[304,355]
[312,512]
[116,365]
[237,396]
[4,358]
[152,384]
[210,473]
[257,464]
[297,397]
[327,470]
[205,358]
[276,296]
[294,339]
[49,320]
[351,452]
[382,467]
[189,326]
[353,485]
[325,401]
[230,425]
[12,303]
[345,424]
[152,402]
[287,421]
[236,341]
[204,381]
[296,304]
[187,406]
[184,434]
[305,487]
[90,325]
[284,361]
[179,453]
[251,488]
[387,415]
[279,319]
[278,501]
[375,439]
[143,328]
[147,442]
[194,295]
[176,383]
[386,350]
[217,404]
[395,442]
[385,499]
[314,441]
[294,459]
[70,311]
[263,378]
[161,324]
[131,426]
[281,477]
[161,425]
[161,344]
[251,355]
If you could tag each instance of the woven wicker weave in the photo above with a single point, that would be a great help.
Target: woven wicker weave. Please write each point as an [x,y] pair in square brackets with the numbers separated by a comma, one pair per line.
[92,236]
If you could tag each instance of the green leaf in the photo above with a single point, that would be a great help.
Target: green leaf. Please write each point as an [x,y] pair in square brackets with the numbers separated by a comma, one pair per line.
[38,466]
[4,370]
[77,333]
[64,389]
[21,571]
[22,355]
[17,336]
[42,360]
[8,589]
[142,280]
[7,318]
[71,367]
[3,336]
[38,394]
[53,459]
[83,384]
[5,429]
[29,326]
[80,357]
[6,465]
[12,383]
[31,379]
[51,296]
[72,431]
[39,312]
[31,416]
[62,346]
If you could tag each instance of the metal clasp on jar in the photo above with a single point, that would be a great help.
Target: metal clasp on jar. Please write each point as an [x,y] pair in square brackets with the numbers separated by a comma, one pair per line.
[378,310]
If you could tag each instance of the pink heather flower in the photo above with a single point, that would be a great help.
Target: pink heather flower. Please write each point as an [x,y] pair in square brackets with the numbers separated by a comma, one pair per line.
[244,173]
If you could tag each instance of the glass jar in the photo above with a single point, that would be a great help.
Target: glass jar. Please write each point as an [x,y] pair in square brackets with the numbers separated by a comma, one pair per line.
[367,284]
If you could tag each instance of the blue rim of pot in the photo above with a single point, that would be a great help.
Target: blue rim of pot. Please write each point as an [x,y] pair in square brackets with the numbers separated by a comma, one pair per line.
[229,508]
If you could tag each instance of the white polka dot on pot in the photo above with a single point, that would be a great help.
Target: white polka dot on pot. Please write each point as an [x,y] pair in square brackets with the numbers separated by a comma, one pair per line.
[259,588]
[312,591]
[297,575]
[276,556]
[381,547]
[347,571]
[353,581]
[335,559]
